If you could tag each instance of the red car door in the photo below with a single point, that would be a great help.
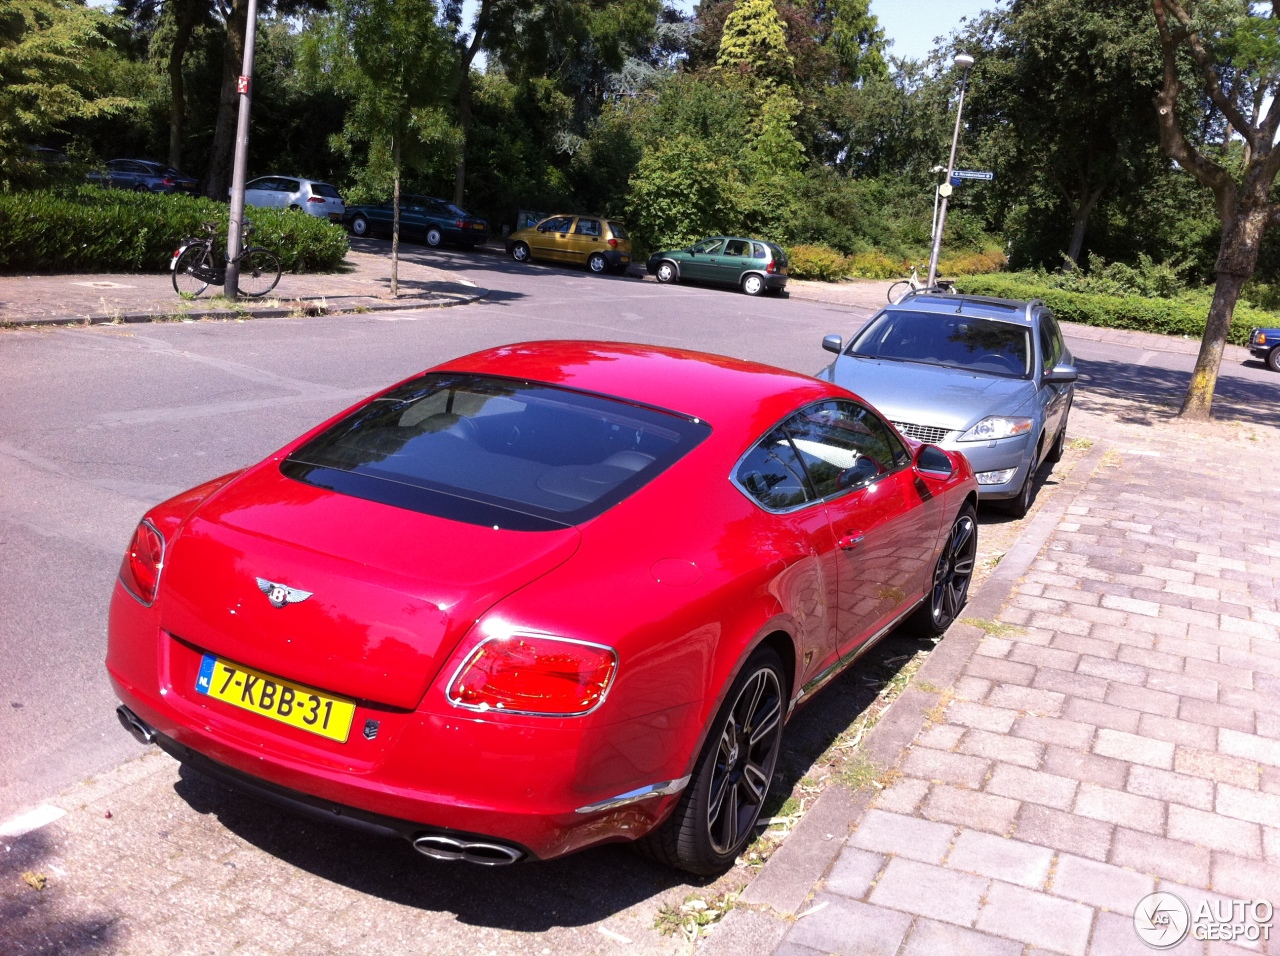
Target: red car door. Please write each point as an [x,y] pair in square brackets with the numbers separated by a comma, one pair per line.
[796,530]
[884,522]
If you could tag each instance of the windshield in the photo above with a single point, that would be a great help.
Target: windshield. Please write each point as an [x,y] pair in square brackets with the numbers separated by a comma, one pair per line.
[948,340]
[495,452]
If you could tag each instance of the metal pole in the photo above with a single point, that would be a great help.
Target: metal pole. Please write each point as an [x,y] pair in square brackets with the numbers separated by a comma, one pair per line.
[942,206]
[235,228]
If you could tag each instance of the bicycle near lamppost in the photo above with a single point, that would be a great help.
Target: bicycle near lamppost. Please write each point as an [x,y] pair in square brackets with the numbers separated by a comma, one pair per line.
[197,264]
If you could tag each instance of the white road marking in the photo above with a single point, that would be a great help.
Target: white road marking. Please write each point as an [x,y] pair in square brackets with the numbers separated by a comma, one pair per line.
[24,823]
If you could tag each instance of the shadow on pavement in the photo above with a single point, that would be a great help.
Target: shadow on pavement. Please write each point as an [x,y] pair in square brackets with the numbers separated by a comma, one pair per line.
[1152,394]
[43,921]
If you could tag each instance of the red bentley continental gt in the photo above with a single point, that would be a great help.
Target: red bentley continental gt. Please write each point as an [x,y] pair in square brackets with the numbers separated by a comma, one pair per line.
[541,597]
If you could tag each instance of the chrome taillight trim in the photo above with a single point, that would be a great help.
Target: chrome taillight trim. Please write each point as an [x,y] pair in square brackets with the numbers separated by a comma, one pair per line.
[164,547]
[486,709]
[663,789]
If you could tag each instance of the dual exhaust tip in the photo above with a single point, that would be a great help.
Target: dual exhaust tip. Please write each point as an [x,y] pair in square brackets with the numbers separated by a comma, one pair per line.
[440,847]
[435,845]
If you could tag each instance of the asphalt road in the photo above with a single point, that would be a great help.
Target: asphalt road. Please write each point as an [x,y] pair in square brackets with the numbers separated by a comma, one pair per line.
[97,424]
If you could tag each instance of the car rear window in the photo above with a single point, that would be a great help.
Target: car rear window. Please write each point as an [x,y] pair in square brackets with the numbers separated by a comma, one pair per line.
[948,340]
[778,254]
[495,452]
[324,189]
[618,229]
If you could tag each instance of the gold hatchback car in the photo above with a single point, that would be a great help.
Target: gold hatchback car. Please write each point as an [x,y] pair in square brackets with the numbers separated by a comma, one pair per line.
[601,244]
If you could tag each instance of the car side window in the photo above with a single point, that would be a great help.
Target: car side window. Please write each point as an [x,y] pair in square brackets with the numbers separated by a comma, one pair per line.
[772,474]
[844,445]
[758,251]
[558,224]
[587,227]
[737,247]
[708,247]
[1050,350]
[289,185]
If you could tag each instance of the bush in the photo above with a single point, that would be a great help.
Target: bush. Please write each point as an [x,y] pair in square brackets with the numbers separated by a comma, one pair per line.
[1182,316]
[90,229]
[972,263]
[817,262]
[876,265]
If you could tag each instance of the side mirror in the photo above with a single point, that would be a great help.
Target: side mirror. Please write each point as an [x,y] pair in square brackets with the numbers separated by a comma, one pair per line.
[935,462]
[833,343]
[1061,375]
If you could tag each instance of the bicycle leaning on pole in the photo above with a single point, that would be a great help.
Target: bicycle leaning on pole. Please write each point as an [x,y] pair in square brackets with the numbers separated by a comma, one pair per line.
[195,266]
[914,283]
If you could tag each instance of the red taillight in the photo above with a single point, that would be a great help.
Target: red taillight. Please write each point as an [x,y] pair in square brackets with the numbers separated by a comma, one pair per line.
[771,268]
[140,569]
[167,181]
[459,224]
[533,674]
[613,243]
[316,199]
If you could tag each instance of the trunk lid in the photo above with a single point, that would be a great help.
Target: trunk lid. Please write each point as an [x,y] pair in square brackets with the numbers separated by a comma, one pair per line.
[392,591]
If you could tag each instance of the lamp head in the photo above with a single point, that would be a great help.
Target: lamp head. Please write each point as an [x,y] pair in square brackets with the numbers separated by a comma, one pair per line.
[964,61]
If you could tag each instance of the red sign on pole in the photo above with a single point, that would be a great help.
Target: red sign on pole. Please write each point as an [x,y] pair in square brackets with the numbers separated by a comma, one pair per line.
[242,84]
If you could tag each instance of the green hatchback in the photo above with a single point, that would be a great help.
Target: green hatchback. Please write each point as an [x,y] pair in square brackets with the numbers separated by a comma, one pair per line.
[749,264]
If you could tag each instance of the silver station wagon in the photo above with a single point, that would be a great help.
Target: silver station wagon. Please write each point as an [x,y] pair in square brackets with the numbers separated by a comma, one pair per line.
[991,378]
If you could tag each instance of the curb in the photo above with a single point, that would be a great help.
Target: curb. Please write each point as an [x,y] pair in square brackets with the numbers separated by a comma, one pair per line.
[293,307]
[785,882]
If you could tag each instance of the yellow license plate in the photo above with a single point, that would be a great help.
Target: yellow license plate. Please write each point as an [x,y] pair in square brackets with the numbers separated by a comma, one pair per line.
[281,700]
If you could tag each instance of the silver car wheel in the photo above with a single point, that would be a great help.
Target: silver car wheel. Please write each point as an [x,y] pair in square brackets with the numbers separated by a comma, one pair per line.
[753,285]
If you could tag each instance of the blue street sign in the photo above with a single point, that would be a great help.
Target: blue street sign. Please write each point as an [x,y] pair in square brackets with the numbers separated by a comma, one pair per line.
[956,180]
[972,174]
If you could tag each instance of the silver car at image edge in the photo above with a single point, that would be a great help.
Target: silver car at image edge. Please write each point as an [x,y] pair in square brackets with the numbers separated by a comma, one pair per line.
[991,378]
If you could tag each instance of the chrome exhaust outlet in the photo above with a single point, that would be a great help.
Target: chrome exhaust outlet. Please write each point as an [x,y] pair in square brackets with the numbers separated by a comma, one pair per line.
[134,724]
[440,847]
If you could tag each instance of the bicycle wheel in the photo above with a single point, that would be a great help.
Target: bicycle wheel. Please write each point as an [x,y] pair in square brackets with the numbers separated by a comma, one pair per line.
[190,270]
[899,289]
[259,272]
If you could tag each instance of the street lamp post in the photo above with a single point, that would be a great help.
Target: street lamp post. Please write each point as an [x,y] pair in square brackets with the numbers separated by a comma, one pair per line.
[235,227]
[965,62]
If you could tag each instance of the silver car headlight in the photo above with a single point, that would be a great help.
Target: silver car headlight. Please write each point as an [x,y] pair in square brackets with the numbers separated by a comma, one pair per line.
[997,426]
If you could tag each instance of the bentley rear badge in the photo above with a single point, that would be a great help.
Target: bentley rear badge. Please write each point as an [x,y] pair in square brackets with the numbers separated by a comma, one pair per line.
[281,594]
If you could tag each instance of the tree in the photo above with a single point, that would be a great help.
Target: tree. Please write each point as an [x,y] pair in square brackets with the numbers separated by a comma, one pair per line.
[47,77]
[393,62]
[1230,54]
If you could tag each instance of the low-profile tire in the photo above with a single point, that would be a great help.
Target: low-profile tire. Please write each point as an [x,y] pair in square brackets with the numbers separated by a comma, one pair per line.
[716,817]
[295,208]
[753,284]
[951,576]
[434,237]
[899,289]
[520,252]
[1273,359]
[1059,445]
[1020,505]
[359,226]
[597,263]
[667,272]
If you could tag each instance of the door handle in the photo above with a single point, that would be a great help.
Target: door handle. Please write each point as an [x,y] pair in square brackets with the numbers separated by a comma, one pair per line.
[850,541]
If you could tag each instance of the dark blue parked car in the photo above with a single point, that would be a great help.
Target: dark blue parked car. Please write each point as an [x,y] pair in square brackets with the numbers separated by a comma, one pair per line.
[424,218]
[1265,344]
[144,176]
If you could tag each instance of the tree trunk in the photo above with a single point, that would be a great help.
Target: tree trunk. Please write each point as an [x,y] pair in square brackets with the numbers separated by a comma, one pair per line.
[395,218]
[464,124]
[218,178]
[1083,212]
[1242,234]
[187,11]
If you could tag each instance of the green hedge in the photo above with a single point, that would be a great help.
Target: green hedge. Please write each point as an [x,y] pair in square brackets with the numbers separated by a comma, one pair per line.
[90,229]
[1181,316]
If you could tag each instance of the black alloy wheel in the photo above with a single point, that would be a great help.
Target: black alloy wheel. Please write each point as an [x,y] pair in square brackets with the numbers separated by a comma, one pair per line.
[952,573]
[597,263]
[1020,505]
[520,252]
[716,817]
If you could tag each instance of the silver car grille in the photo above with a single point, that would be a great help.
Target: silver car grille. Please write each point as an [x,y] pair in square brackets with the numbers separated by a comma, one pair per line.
[930,434]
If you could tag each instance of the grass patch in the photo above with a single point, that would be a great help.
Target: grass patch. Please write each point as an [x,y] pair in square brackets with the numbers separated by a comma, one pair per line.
[695,917]
[1081,443]
[994,628]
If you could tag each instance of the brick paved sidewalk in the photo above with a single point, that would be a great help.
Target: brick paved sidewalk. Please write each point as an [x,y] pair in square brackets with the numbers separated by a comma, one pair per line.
[1116,732]
[361,284]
